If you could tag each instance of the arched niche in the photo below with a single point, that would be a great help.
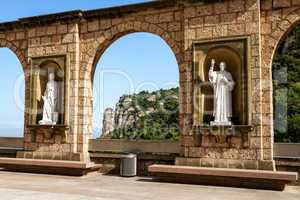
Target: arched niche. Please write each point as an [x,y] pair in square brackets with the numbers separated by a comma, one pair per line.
[235,55]
[39,78]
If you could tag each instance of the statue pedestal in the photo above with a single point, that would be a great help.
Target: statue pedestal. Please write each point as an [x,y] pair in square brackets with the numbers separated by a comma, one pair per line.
[52,142]
[49,131]
[222,147]
[228,136]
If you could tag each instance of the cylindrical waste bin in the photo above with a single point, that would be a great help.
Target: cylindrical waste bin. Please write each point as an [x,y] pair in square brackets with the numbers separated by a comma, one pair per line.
[128,165]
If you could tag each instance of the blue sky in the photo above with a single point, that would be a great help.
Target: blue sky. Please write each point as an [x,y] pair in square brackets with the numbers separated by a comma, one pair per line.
[139,61]
[14,9]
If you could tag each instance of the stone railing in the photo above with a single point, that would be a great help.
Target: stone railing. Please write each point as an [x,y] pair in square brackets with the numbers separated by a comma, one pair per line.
[149,146]
[11,142]
[287,150]
[138,146]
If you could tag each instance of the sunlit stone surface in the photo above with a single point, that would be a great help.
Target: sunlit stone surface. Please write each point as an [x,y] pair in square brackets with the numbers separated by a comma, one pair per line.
[223,85]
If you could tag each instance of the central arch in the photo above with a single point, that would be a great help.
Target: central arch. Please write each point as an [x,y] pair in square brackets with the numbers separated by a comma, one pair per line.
[115,32]
[149,43]
[92,50]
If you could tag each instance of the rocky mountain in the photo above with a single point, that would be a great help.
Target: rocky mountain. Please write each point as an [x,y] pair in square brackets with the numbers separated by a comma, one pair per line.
[146,115]
[108,121]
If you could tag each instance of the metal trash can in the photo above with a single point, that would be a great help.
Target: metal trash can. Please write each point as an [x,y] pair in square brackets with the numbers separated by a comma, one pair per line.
[128,166]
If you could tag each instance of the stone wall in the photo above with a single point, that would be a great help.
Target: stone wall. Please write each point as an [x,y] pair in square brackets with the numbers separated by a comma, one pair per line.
[230,19]
[42,41]
[52,40]
[82,39]
[99,32]
[84,36]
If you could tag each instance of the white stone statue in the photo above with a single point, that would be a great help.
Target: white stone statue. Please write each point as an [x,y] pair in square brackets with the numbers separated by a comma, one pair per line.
[223,85]
[50,114]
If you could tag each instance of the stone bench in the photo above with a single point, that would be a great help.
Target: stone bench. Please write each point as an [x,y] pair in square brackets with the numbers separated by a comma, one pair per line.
[73,168]
[257,179]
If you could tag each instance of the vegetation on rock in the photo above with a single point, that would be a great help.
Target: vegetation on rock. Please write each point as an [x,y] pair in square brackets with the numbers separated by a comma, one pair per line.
[147,115]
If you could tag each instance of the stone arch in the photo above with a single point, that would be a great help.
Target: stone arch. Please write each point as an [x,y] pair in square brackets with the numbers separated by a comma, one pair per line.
[277,35]
[270,43]
[20,55]
[23,61]
[92,51]
[107,37]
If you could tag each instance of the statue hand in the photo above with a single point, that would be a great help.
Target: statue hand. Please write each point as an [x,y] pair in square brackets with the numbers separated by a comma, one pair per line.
[213,62]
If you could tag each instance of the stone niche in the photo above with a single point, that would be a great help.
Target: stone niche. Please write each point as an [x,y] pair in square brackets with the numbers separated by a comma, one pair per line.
[235,53]
[40,68]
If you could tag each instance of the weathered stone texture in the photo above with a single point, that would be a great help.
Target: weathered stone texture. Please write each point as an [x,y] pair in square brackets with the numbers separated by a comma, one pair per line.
[84,41]
[281,3]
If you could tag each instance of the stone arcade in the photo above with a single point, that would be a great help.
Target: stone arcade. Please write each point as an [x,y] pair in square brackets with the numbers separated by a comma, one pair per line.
[242,33]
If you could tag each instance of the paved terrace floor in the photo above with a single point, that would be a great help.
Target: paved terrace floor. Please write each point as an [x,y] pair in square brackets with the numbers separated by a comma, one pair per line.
[22,186]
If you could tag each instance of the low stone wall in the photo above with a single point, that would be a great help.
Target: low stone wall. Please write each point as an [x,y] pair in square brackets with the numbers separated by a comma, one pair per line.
[287,150]
[10,146]
[104,152]
[135,146]
[111,164]
[288,164]
[11,142]
[287,156]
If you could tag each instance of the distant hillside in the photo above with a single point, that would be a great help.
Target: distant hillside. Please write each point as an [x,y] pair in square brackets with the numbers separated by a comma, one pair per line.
[146,115]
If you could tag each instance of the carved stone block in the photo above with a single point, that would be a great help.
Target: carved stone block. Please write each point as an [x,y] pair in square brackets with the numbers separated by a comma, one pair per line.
[223,136]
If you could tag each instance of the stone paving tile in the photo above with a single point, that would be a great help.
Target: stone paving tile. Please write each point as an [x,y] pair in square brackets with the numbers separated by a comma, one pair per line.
[12,194]
[21,186]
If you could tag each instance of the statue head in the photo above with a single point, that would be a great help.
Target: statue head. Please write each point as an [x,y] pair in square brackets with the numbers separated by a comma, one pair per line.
[51,76]
[222,66]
